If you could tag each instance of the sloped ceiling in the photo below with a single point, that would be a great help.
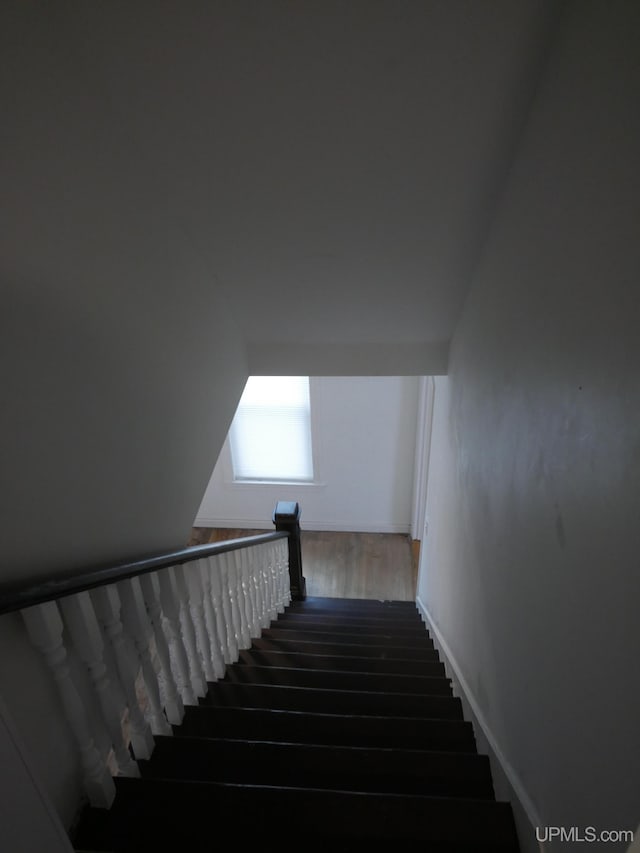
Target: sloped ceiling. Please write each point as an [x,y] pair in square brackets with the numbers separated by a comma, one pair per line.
[329,168]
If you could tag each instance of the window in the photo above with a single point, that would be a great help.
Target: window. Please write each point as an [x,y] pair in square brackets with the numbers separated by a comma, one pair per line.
[271,432]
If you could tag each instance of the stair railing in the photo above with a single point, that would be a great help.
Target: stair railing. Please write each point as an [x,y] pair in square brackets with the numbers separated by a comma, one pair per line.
[149,634]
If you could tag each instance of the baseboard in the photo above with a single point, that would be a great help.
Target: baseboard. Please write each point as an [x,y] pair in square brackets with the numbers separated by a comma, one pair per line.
[240,523]
[308,524]
[507,783]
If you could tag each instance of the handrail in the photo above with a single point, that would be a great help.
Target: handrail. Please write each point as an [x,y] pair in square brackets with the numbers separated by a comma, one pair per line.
[17,596]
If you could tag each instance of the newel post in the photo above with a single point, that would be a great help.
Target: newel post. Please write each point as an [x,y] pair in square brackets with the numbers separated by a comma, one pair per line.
[286,517]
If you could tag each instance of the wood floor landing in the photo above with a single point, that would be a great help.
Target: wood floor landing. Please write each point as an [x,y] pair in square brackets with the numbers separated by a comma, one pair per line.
[345,565]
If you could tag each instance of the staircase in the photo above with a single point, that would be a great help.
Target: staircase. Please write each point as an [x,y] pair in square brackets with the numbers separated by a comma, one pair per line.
[336,731]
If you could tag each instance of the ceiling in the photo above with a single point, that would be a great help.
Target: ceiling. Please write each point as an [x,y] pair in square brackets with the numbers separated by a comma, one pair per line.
[329,168]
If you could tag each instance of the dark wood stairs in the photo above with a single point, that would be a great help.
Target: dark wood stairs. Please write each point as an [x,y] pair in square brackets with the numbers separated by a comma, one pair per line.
[337,730]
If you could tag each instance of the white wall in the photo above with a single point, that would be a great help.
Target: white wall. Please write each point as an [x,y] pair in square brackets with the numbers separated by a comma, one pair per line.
[364,440]
[120,367]
[530,569]
[33,704]
[29,822]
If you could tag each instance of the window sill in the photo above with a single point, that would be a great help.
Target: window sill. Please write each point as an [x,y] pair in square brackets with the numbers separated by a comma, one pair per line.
[302,483]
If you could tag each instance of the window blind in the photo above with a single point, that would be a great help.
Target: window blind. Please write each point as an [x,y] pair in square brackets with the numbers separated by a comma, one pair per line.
[271,432]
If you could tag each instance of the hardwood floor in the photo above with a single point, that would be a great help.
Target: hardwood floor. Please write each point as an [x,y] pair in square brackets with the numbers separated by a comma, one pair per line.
[345,565]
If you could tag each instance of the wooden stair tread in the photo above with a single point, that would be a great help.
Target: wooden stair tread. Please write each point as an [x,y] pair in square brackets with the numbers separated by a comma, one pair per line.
[427,685]
[332,729]
[372,769]
[345,663]
[359,618]
[347,649]
[338,701]
[387,638]
[150,811]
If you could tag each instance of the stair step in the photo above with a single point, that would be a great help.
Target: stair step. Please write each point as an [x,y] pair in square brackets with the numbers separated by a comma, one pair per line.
[411,620]
[348,626]
[337,729]
[450,735]
[355,638]
[313,602]
[150,815]
[345,768]
[259,657]
[336,680]
[312,699]
[287,643]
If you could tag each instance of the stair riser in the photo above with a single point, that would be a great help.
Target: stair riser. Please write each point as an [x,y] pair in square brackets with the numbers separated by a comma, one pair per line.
[332,701]
[287,765]
[388,653]
[180,815]
[331,680]
[312,603]
[405,620]
[299,727]
[257,657]
[362,639]
[350,626]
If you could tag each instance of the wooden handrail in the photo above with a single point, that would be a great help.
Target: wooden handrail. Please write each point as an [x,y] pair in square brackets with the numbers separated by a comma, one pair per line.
[17,596]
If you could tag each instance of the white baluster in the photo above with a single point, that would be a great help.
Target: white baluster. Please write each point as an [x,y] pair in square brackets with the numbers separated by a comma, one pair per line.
[44,626]
[173,707]
[254,588]
[216,600]
[210,619]
[227,609]
[249,593]
[135,620]
[171,610]
[261,579]
[254,565]
[229,606]
[193,578]
[266,580]
[277,576]
[82,625]
[257,572]
[106,603]
[270,549]
[283,569]
[265,574]
[235,567]
[273,582]
[198,678]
